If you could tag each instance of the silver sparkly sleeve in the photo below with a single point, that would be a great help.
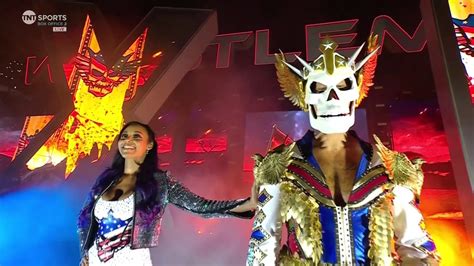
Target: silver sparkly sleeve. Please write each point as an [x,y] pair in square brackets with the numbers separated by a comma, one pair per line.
[183,198]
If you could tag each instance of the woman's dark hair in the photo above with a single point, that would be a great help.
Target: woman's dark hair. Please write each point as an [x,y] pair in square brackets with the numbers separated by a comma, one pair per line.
[146,184]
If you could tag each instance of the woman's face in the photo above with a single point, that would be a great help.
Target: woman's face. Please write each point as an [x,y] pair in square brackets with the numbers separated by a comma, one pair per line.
[134,143]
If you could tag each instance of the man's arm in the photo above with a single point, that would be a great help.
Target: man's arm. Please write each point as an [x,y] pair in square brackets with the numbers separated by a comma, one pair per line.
[414,245]
[264,244]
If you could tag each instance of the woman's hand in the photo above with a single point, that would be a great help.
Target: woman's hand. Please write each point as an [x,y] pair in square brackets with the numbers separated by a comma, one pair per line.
[84,261]
[250,204]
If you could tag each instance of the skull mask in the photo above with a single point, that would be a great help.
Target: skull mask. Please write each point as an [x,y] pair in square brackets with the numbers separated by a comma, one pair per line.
[331,91]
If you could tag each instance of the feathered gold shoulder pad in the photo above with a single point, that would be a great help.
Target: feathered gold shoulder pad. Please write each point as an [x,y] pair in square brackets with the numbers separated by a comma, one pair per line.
[269,169]
[400,169]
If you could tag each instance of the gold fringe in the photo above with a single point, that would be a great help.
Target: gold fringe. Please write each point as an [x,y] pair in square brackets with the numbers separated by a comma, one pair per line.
[286,259]
[296,205]
[381,232]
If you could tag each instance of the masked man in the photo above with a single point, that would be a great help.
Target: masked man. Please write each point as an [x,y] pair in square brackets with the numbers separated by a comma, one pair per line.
[342,200]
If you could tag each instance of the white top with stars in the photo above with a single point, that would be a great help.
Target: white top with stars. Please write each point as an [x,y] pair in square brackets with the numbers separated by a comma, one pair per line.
[115,218]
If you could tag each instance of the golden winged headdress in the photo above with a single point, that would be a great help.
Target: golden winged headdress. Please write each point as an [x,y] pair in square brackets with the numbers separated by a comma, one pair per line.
[292,80]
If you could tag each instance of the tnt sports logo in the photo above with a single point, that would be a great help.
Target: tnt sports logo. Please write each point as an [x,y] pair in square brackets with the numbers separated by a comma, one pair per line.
[58,22]
[28,17]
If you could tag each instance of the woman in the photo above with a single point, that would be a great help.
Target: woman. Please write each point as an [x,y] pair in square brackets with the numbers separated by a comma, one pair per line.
[121,217]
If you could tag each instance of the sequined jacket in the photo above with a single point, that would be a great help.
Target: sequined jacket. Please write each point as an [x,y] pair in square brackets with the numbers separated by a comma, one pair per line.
[379,225]
[145,231]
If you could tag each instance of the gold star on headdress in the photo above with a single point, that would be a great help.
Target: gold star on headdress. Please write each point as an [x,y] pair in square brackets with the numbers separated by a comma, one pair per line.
[319,66]
[328,47]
